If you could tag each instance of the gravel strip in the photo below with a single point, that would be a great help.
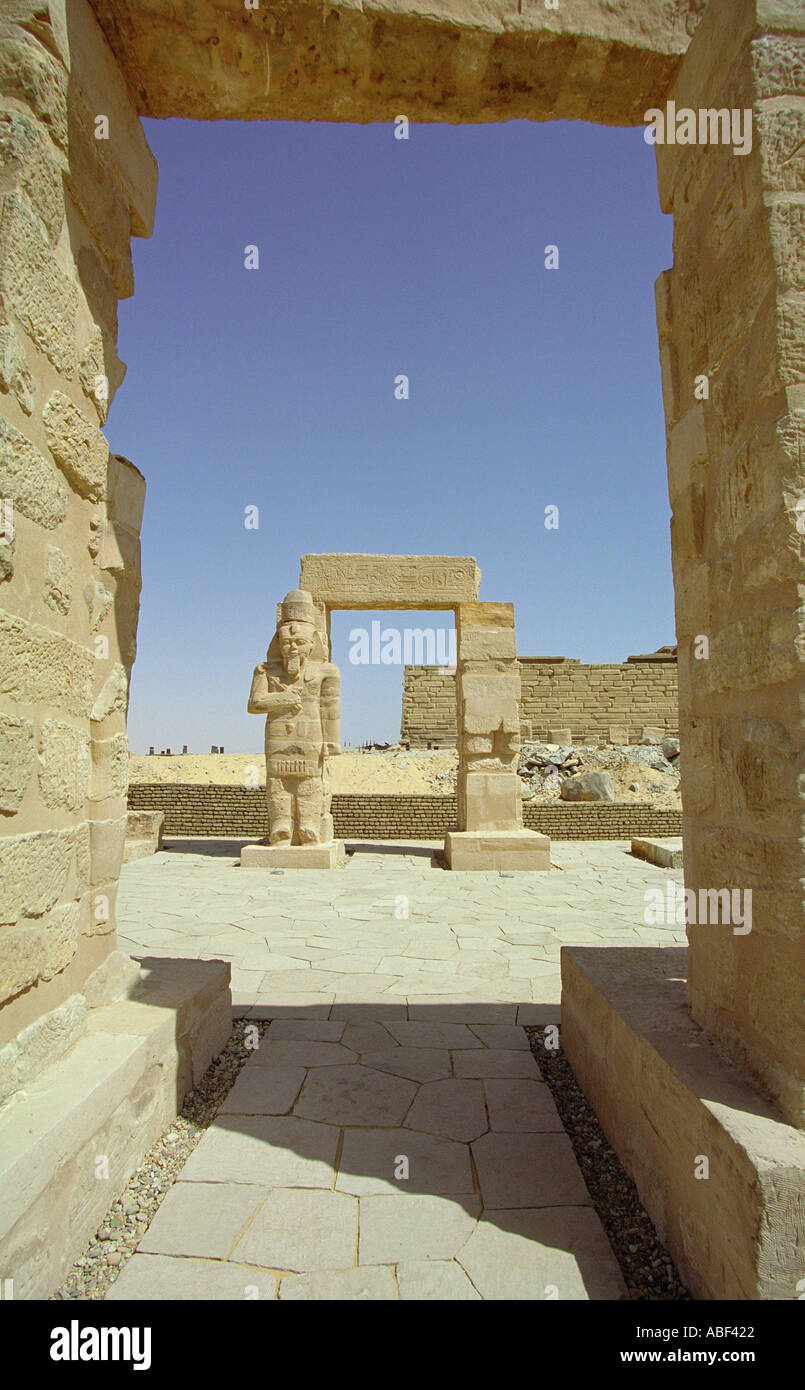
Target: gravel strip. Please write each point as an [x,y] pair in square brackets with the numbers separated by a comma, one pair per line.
[645,1264]
[132,1212]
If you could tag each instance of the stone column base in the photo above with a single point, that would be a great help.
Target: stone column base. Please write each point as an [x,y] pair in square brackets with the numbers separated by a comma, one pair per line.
[263,856]
[497,849]
[719,1171]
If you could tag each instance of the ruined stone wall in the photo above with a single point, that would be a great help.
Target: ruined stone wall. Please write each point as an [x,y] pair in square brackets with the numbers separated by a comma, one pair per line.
[606,703]
[731,316]
[73,190]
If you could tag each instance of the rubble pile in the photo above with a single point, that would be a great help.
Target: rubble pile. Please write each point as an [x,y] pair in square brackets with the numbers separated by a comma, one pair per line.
[647,772]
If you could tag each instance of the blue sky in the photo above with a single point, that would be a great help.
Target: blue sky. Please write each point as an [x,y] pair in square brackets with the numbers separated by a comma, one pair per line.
[275,388]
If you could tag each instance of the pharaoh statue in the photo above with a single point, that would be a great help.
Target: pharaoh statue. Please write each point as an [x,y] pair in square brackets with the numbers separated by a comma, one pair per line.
[298,690]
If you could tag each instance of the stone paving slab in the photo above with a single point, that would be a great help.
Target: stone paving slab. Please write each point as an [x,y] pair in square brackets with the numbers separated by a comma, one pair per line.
[202,1219]
[391,1136]
[158,1278]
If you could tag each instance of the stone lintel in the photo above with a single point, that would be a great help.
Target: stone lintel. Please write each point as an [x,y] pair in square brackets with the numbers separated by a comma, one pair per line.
[390,581]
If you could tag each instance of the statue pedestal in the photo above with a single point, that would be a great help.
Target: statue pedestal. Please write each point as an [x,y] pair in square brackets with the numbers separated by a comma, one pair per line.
[265,856]
[497,849]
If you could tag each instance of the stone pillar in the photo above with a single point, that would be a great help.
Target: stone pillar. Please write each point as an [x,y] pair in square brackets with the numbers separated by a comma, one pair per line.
[490,832]
[731,319]
[78,182]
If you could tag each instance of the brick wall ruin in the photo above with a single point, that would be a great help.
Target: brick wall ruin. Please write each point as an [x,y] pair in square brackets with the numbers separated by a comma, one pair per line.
[597,703]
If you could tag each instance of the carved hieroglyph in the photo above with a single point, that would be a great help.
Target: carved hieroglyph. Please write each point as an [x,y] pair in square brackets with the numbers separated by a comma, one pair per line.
[298,690]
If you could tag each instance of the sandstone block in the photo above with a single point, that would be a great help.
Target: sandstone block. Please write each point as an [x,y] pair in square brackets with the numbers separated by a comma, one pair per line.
[28,155]
[330,856]
[126,493]
[14,374]
[34,287]
[106,839]
[36,868]
[77,445]
[390,581]
[61,932]
[20,959]
[17,755]
[110,768]
[58,588]
[120,552]
[501,850]
[64,765]
[30,480]
[99,600]
[28,71]
[49,1037]
[41,667]
[485,644]
[113,696]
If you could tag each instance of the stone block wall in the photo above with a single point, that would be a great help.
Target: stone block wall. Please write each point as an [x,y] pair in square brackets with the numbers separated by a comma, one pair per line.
[598,703]
[240,813]
[731,319]
[78,181]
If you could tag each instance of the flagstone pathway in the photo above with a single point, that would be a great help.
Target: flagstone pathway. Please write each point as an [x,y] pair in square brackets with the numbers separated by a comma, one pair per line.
[391,1137]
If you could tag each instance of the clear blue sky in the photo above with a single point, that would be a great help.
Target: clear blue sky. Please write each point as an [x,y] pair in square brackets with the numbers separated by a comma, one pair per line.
[528,387]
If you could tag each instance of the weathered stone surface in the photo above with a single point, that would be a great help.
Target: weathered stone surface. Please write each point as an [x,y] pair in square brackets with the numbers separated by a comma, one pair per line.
[559,1252]
[340,1285]
[416,1227]
[110,768]
[126,493]
[155,1278]
[453,1108]
[113,695]
[202,1219]
[28,71]
[99,600]
[31,159]
[437,62]
[17,755]
[41,1044]
[30,480]
[61,931]
[390,581]
[14,373]
[670,1097]
[20,954]
[35,871]
[64,765]
[297,688]
[58,590]
[429,1280]
[302,1231]
[40,667]
[264,1091]
[265,1149]
[588,786]
[77,445]
[355,1096]
[34,286]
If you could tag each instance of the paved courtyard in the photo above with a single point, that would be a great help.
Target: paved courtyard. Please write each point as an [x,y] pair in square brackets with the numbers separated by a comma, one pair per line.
[391,1136]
